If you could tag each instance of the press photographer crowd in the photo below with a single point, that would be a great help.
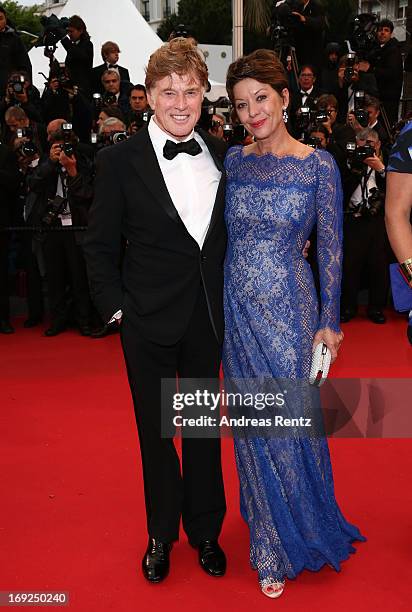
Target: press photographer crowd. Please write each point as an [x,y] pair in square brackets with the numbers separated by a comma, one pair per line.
[345,99]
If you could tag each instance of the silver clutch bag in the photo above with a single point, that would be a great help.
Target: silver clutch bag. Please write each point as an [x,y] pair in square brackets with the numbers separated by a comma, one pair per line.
[319,369]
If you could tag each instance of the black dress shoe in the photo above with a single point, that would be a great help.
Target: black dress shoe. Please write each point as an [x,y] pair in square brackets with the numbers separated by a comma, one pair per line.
[54,330]
[155,563]
[6,328]
[106,330]
[85,330]
[346,315]
[32,322]
[212,558]
[376,316]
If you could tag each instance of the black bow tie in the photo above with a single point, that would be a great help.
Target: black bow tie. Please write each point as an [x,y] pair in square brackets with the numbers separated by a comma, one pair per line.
[171,149]
[111,66]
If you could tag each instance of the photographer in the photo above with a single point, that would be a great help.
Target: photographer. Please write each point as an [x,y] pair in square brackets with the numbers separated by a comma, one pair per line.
[9,182]
[116,93]
[79,59]
[63,185]
[13,55]
[351,80]
[385,62]
[61,98]
[18,124]
[110,55]
[138,106]
[372,107]
[339,134]
[20,92]
[305,96]
[365,240]
[30,251]
[112,127]
[329,83]
[216,129]
[305,23]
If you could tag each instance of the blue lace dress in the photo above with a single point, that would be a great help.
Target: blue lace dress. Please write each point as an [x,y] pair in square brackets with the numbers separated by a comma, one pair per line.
[271,316]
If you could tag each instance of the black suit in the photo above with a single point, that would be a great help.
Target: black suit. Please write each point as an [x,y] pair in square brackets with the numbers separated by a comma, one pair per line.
[170,293]
[9,182]
[97,74]
[386,65]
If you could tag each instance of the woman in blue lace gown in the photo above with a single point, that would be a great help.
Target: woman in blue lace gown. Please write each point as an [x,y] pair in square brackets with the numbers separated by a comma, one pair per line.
[277,190]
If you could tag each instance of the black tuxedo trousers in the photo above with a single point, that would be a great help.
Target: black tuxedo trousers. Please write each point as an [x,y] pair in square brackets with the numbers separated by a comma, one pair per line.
[194,490]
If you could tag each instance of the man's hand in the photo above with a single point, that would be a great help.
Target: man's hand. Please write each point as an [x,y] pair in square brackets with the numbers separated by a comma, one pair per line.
[22,97]
[68,163]
[363,66]
[55,152]
[375,163]
[352,121]
[302,18]
[133,129]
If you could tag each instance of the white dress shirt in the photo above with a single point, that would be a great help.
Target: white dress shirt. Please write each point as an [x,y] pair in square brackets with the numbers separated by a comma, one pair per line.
[191,180]
[305,95]
[356,198]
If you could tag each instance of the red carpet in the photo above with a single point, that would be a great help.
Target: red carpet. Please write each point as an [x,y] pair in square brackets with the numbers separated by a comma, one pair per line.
[72,515]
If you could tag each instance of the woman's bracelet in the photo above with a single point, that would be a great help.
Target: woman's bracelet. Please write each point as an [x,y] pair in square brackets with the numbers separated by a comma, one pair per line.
[406,267]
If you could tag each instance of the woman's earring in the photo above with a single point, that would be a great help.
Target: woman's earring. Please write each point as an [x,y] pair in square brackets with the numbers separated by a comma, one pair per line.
[285,115]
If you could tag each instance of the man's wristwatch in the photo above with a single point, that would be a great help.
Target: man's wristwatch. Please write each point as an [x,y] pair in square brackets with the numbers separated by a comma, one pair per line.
[381,172]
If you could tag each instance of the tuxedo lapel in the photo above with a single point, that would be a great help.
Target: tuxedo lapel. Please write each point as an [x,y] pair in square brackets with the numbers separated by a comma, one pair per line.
[220,194]
[148,169]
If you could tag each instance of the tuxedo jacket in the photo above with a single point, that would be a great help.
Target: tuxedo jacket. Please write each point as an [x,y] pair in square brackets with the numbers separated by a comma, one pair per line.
[97,74]
[163,266]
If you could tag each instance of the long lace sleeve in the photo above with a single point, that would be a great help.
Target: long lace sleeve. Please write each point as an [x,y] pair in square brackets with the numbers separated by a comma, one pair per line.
[329,223]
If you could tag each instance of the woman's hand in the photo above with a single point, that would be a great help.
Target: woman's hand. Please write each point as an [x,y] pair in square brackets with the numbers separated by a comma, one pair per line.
[332,339]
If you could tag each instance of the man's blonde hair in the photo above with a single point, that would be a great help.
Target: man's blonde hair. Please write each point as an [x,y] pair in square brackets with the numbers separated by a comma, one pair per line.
[180,56]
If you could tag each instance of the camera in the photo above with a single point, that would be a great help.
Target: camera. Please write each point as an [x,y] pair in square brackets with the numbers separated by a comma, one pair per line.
[109,99]
[376,202]
[363,37]
[313,142]
[349,68]
[116,137]
[361,114]
[17,84]
[55,208]
[67,147]
[284,22]
[54,29]
[357,154]
[27,148]
[105,140]
[140,118]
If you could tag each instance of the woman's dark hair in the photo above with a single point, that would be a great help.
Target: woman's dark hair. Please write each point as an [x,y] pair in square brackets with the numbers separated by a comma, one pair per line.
[77,22]
[263,66]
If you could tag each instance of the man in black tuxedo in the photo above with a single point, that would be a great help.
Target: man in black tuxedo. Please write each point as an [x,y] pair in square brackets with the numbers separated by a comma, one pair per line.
[110,55]
[305,96]
[163,191]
